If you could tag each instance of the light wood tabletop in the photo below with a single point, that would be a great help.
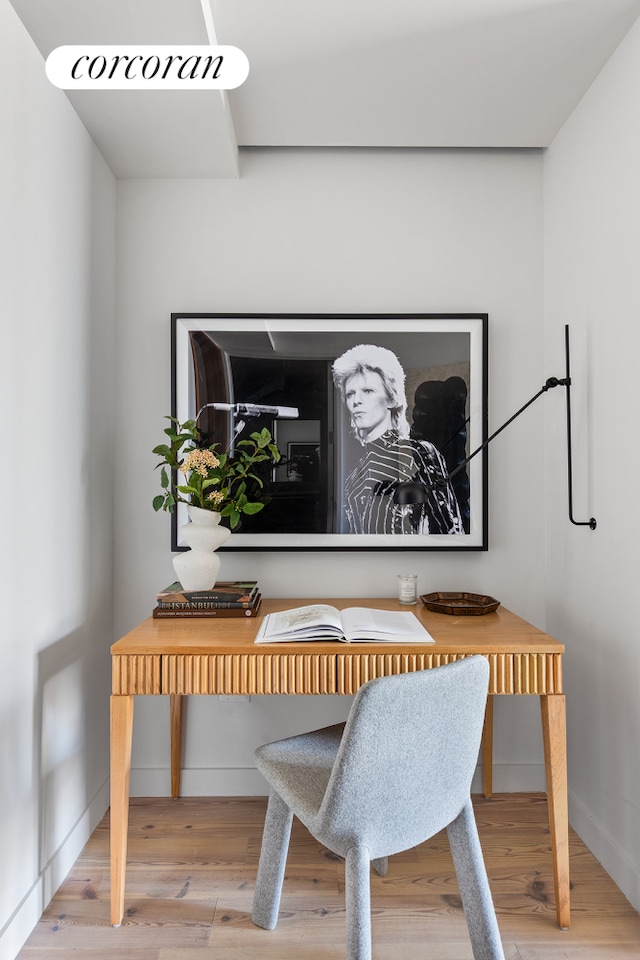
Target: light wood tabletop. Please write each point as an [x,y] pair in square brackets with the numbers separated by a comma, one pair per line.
[217,655]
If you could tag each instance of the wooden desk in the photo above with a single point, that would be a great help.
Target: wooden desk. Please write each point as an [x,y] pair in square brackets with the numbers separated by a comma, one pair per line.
[177,657]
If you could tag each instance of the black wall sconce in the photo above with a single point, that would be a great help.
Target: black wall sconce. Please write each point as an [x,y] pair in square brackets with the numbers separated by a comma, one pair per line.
[414,492]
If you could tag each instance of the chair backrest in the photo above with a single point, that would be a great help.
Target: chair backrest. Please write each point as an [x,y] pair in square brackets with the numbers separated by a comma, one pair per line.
[407,757]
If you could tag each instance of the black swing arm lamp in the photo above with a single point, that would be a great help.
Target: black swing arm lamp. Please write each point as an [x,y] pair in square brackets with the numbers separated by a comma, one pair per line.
[550,383]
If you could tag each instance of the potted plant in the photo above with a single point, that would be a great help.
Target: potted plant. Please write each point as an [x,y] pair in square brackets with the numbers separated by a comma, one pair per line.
[214,485]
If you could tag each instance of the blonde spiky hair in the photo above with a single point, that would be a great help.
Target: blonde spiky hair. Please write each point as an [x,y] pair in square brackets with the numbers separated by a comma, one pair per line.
[380,360]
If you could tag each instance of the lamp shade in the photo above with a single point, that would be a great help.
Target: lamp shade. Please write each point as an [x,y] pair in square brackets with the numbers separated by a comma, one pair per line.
[410,492]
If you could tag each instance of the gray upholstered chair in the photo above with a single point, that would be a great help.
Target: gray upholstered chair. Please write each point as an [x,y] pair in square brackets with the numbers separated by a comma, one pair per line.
[394,775]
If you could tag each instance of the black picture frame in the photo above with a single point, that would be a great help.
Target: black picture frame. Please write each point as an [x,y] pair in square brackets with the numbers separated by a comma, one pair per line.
[259,367]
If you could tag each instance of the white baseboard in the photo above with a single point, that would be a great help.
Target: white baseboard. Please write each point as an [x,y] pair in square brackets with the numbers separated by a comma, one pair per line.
[247,782]
[219,782]
[26,915]
[28,912]
[64,858]
[605,849]
[514,778]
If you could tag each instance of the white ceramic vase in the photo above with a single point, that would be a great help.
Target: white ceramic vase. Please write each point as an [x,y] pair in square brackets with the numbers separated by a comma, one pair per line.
[197,568]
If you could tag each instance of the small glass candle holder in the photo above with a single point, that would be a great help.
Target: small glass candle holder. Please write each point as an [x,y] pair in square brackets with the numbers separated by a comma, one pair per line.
[408,587]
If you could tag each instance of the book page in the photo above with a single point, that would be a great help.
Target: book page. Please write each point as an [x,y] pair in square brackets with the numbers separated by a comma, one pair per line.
[364,623]
[316,619]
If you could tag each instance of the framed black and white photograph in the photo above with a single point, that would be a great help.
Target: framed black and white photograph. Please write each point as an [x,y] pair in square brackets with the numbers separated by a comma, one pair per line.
[375,417]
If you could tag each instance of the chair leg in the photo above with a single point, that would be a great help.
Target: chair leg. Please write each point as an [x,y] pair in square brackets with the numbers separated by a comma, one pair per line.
[381,865]
[474,886]
[358,903]
[273,859]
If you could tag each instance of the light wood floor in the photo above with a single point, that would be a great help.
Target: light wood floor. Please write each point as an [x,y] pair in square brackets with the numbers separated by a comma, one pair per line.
[192,865]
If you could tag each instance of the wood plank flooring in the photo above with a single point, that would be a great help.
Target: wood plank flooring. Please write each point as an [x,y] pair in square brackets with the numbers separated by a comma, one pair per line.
[191,871]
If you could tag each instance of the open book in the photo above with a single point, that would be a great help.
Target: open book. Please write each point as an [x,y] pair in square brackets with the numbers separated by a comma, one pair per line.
[321,621]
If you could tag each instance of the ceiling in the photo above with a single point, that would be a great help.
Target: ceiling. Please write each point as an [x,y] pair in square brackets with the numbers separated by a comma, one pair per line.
[351,73]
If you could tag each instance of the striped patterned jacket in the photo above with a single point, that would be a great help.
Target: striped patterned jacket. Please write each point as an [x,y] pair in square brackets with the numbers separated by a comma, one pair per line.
[387,462]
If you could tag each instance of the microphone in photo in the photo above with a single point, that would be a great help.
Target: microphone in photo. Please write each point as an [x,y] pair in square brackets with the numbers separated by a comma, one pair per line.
[254,410]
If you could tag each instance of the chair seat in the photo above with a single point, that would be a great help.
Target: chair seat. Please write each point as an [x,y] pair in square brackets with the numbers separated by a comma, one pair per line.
[299,768]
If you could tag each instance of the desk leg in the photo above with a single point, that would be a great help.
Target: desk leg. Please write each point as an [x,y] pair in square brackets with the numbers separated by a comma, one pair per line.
[175,715]
[487,750]
[554,732]
[121,732]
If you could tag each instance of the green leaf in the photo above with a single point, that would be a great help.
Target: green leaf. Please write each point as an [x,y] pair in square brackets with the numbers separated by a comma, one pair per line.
[158,502]
[162,450]
[235,520]
[164,478]
[252,508]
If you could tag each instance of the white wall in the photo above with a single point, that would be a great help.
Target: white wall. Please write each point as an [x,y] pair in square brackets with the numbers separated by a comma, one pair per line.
[57,332]
[331,231]
[592,243]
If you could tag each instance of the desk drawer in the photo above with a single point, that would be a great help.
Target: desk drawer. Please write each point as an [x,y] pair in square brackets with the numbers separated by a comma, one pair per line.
[511,673]
[249,674]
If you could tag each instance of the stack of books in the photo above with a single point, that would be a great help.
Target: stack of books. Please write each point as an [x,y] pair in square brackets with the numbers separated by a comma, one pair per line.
[234,598]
